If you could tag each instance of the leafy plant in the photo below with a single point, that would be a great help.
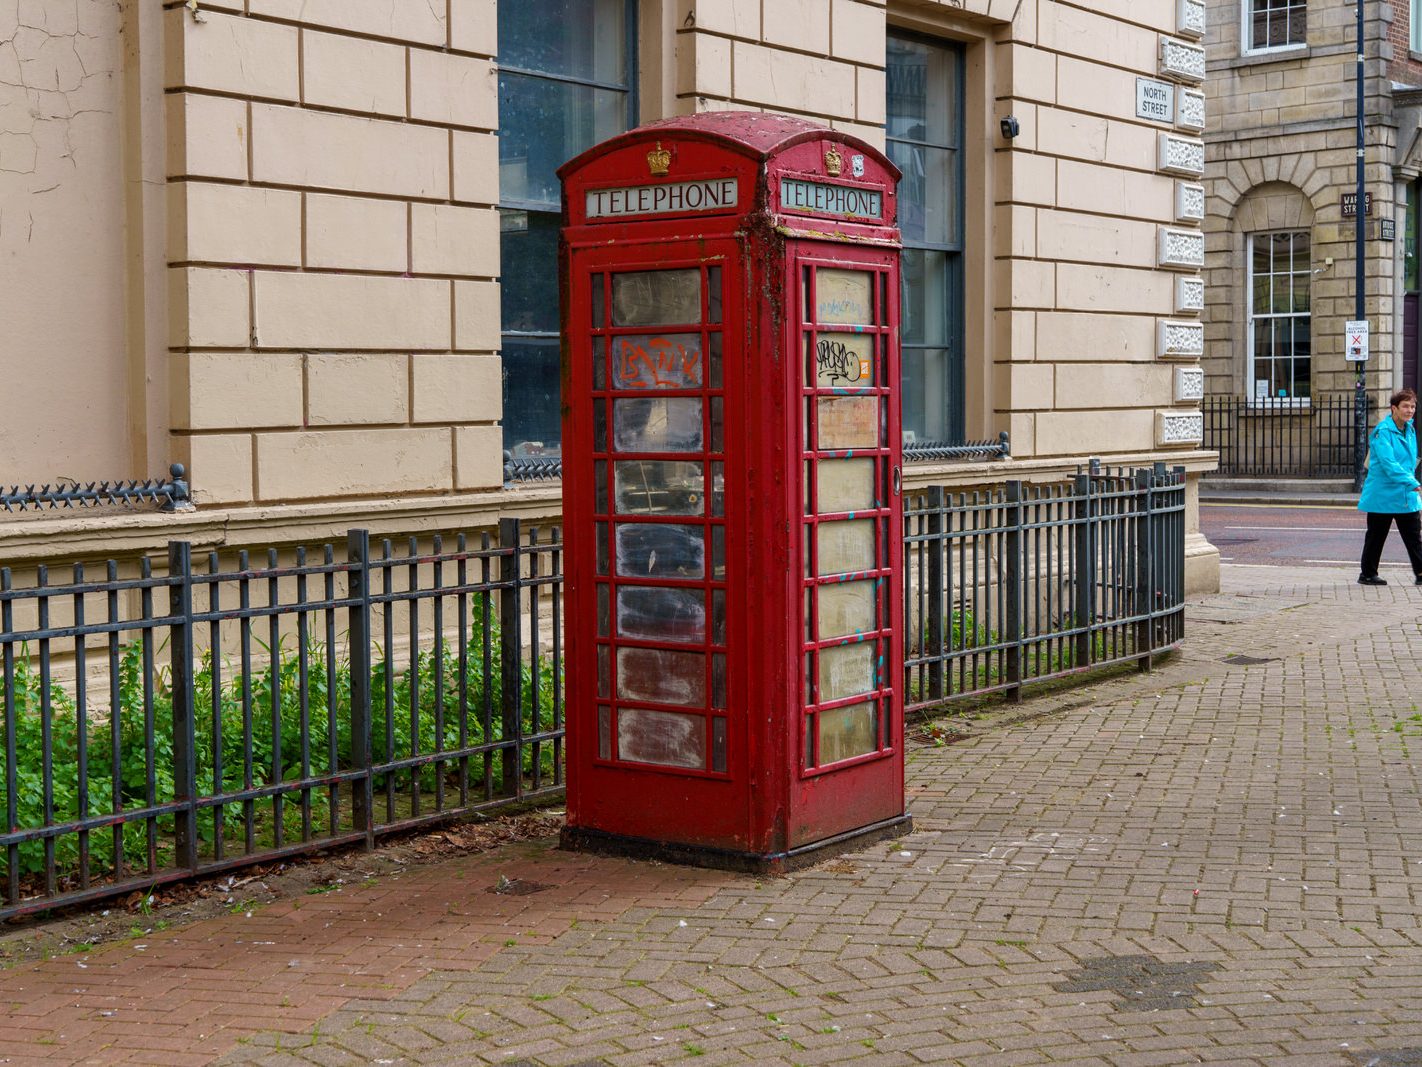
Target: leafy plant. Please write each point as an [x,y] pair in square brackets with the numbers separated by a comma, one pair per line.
[247,734]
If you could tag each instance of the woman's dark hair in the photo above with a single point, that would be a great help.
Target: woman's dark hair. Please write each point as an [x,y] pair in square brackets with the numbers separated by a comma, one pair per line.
[1401,395]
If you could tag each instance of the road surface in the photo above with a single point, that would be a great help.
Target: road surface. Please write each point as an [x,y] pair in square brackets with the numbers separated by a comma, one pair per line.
[1283,535]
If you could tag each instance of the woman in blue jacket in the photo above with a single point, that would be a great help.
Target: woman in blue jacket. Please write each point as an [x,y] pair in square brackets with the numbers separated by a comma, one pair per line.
[1391,492]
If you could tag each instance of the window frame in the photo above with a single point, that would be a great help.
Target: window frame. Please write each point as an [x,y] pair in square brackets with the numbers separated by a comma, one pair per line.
[1414,28]
[1247,46]
[506,206]
[954,401]
[1250,315]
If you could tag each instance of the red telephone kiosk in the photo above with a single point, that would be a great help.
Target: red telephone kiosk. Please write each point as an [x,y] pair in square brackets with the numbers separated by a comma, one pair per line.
[731,455]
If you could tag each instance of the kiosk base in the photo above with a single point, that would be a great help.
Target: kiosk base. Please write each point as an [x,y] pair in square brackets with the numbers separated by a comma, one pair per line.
[584,839]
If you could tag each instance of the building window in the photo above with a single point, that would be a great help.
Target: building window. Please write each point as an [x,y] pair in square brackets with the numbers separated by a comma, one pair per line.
[1280,344]
[925,140]
[1415,35]
[1270,24]
[565,83]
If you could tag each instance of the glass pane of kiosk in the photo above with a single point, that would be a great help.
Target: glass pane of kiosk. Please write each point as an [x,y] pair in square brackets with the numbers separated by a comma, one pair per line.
[662,595]
[846,567]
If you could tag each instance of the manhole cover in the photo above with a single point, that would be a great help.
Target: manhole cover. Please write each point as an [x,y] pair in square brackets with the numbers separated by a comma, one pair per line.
[1143,982]
[1249,661]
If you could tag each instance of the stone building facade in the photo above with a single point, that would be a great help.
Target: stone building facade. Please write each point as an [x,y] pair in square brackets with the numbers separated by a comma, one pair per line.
[302,246]
[1281,179]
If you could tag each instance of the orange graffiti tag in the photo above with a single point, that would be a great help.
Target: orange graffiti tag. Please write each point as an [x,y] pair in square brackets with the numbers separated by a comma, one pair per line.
[657,363]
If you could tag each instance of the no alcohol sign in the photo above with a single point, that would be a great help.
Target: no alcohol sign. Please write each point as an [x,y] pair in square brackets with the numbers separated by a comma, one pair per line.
[1355,338]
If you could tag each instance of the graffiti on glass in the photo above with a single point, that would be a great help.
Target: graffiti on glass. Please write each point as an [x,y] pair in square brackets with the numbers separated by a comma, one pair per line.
[649,361]
[839,365]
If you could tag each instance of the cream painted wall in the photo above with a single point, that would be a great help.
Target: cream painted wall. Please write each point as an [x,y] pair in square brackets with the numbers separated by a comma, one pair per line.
[63,337]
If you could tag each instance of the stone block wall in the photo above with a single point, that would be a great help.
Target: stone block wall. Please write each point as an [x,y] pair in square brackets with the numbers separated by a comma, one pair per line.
[1066,289]
[821,58]
[333,247]
[1282,153]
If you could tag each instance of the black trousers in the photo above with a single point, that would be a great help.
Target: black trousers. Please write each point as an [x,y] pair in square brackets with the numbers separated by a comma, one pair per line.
[1409,524]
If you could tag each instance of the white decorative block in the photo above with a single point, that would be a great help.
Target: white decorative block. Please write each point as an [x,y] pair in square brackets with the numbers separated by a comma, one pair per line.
[1190,109]
[1180,155]
[1190,18]
[1179,428]
[1182,60]
[1189,384]
[1189,202]
[1180,340]
[1181,248]
[1189,294]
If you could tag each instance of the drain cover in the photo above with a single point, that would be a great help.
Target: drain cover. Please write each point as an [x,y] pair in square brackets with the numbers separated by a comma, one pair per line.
[1249,661]
[516,887]
[1143,982]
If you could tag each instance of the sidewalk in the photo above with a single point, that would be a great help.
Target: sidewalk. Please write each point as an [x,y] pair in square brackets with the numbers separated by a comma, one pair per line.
[1217,862]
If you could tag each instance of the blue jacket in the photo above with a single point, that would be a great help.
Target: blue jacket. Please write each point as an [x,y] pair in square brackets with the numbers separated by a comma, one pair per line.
[1391,485]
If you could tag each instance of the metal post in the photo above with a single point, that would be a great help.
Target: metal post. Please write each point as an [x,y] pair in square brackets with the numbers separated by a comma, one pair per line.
[1084,593]
[362,799]
[510,665]
[1012,635]
[937,608]
[180,645]
[1360,395]
[1144,560]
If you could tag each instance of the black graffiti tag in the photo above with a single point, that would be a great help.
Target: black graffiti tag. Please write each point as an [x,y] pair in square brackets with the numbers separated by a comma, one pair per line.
[838,362]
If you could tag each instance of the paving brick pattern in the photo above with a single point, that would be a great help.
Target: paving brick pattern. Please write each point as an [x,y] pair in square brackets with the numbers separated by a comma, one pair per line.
[1218,862]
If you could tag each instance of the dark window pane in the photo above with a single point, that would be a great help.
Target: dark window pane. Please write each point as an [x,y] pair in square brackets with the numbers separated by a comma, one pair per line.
[924,311]
[661,614]
[531,420]
[529,288]
[930,378]
[928,193]
[924,127]
[1260,297]
[543,124]
[576,38]
[1260,259]
[713,294]
[661,551]
[922,91]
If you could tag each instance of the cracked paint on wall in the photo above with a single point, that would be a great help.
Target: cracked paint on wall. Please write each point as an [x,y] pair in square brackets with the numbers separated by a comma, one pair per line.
[62,235]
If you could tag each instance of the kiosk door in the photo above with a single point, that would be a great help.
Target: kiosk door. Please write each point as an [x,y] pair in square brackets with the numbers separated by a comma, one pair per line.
[660,575]
[851,545]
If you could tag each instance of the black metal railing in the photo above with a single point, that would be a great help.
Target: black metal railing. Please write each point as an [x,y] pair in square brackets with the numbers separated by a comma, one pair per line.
[228,711]
[1021,584]
[170,495]
[194,715]
[1282,437]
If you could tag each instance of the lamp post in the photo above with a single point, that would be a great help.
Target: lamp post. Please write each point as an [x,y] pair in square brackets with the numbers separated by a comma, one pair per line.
[1360,393]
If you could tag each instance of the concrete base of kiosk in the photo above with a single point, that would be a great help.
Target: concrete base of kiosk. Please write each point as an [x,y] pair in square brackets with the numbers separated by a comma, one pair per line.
[583,839]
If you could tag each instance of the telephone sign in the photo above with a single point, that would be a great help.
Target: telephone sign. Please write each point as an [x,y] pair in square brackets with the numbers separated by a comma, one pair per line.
[731,492]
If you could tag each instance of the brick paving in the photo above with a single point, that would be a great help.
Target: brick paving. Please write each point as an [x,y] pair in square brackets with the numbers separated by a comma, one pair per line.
[1219,862]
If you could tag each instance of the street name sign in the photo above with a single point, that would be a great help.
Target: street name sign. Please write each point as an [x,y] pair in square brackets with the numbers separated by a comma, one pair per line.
[1155,100]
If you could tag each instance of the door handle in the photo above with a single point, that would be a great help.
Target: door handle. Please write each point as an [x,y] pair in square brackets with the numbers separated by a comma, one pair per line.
[898,481]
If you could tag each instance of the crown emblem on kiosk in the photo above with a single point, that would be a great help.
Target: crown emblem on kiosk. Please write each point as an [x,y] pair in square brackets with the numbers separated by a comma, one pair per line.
[834,162]
[659,160]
